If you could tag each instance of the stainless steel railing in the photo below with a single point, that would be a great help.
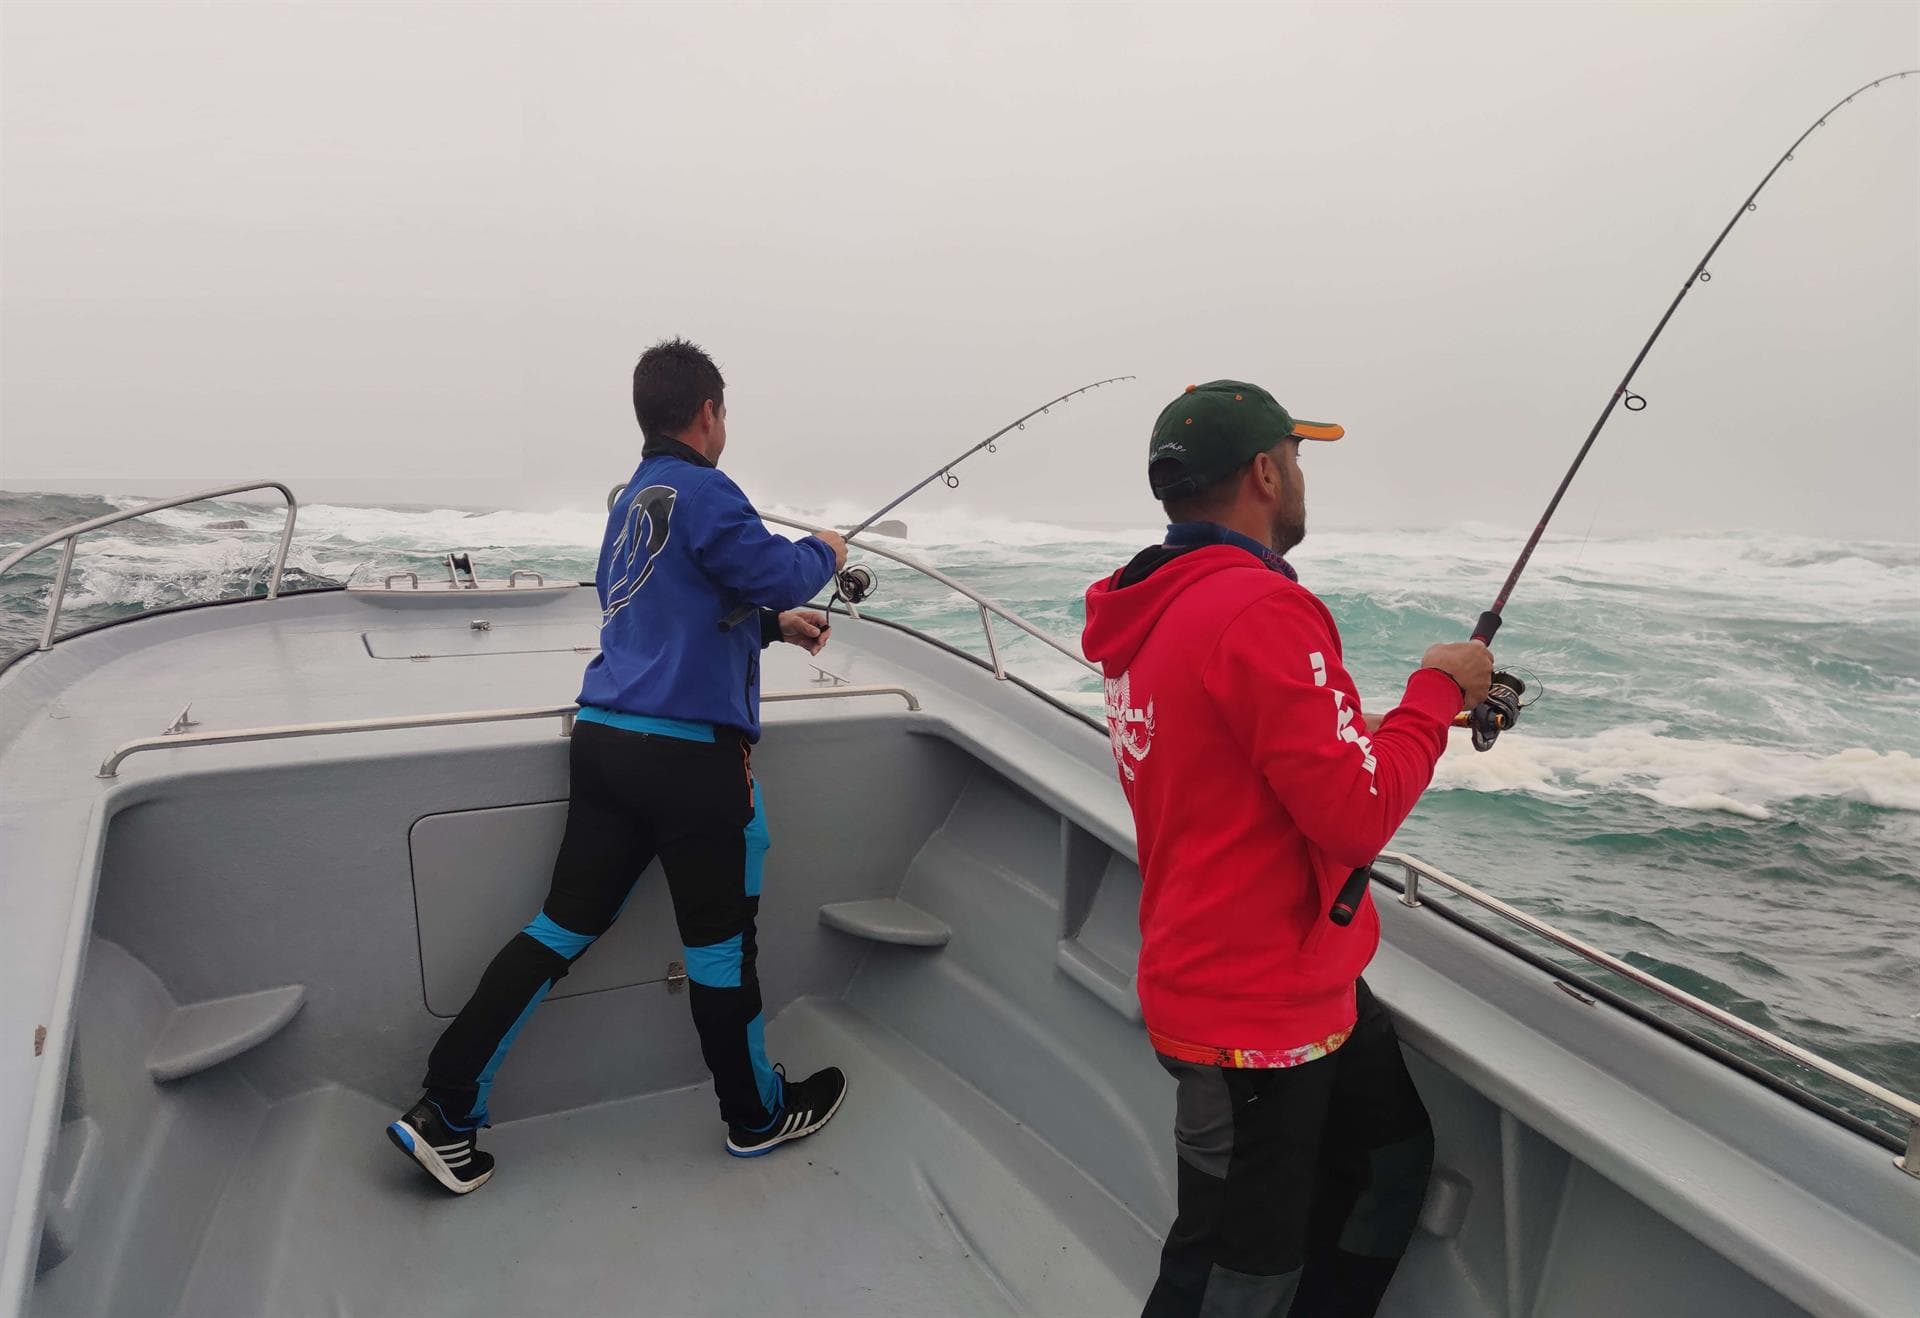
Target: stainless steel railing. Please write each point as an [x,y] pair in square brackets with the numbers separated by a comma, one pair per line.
[989,610]
[1416,872]
[71,535]
[110,767]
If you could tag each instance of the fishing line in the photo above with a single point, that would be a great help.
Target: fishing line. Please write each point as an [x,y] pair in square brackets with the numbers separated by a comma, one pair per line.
[848,583]
[1501,709]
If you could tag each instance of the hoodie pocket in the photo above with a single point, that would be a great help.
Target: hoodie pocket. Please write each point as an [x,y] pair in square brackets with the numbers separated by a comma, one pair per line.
[1317,934]
[1320,926]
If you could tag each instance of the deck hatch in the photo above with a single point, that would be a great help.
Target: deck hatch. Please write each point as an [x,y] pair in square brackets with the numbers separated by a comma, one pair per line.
[480,875]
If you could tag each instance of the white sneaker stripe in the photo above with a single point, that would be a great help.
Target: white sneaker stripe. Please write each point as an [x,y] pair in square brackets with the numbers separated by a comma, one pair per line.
[451,1148]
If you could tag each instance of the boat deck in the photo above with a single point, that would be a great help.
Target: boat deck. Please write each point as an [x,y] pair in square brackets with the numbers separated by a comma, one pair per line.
[921,1198]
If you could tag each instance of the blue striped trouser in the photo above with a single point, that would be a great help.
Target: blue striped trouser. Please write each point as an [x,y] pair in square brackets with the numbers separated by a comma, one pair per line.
[636,795]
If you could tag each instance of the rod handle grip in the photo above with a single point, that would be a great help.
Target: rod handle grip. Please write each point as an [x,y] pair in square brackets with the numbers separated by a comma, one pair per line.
[738,616]
[1347,903]
[1484,629]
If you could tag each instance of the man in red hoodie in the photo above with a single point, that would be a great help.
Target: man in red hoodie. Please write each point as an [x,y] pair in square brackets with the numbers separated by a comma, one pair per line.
[1257,787]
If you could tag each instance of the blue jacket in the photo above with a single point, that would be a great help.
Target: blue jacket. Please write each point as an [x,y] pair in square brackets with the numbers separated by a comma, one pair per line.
[683,549]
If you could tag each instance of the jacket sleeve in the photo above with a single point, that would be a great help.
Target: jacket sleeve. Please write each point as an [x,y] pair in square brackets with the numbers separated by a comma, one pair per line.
[735,548]
[1275,676]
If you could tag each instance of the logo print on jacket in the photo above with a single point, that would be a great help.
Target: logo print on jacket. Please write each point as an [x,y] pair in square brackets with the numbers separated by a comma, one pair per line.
[1343,725]
[649,523]
[1130,730]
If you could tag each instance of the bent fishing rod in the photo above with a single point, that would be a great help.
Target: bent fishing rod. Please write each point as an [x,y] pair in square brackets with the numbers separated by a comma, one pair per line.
[854,584]
[1501,709]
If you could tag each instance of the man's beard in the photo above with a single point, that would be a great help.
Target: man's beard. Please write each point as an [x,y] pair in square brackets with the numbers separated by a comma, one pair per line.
[1289,529]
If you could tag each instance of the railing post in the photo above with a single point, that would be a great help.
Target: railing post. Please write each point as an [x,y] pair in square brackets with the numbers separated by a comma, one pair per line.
[58,593]
[993,648]
[566,721]
[286,543]
[1910,1161]
[1410,893]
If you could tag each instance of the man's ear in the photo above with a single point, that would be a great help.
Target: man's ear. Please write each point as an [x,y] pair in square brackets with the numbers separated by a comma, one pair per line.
[1266,474]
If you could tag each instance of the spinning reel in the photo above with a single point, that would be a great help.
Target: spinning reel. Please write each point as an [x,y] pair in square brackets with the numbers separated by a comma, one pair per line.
[1499,711]
[854,585]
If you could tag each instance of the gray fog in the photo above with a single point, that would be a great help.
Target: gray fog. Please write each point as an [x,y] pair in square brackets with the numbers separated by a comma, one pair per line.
[408,253]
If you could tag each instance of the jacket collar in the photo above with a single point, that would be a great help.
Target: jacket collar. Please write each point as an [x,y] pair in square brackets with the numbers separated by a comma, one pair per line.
[1195,534]
[673,448]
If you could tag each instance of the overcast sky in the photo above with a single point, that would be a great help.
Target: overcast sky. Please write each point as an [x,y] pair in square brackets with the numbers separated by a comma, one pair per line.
[408,252]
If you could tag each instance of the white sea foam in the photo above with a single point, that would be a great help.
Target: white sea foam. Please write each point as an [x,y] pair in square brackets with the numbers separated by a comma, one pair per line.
[1769,576]
[438,530]
[1766,573]
[1681,774]
[111,571]
[936,524]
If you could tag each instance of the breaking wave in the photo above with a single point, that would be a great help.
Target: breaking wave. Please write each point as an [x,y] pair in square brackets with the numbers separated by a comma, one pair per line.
[1682,775]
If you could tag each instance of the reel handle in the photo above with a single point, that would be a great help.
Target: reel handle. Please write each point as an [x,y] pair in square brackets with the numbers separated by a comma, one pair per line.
[1498,712]
[851,584]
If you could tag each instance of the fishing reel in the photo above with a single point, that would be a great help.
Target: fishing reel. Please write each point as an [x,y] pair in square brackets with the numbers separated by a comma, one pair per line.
[855,584]
[1498,712]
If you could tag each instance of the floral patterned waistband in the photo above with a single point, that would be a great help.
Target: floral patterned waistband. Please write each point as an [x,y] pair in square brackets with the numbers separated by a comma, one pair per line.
[1253,1059]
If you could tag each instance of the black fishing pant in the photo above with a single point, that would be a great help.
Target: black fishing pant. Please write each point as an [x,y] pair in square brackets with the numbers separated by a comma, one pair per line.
[634,796]
[1299,1187]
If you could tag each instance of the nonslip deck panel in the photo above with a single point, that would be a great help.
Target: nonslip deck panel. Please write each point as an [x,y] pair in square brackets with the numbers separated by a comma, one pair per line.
[919,1198]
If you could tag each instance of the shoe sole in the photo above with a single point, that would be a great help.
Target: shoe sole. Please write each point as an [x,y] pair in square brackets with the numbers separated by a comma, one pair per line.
[409,1142]
[760,1150]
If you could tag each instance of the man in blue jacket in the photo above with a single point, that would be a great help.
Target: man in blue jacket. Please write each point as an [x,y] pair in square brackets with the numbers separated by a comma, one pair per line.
[661,765]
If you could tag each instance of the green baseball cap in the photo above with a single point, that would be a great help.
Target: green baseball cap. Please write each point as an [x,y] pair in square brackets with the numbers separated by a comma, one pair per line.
[1212,429]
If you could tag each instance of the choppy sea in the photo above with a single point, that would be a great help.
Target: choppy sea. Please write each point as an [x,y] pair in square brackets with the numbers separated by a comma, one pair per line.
[1721,782]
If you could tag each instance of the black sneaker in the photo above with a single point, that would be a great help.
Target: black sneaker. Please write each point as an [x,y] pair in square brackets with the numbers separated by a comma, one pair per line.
[804,1108]
[450,1156]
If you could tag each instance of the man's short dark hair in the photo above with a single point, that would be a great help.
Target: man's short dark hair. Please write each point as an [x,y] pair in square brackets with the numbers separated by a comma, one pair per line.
[670,382]
[1210,501]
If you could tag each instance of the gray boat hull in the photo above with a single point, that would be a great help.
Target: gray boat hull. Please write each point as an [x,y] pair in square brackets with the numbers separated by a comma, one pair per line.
[240,955]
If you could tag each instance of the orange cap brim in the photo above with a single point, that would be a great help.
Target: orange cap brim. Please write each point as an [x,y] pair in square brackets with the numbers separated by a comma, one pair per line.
[1317,430]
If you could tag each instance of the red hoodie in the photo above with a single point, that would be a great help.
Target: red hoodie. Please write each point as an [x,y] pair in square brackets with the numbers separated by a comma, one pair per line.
[1255,791]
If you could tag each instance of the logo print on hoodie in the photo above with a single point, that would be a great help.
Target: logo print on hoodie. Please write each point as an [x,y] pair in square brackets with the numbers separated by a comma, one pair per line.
[649,523]
[1130,730]
[1343,727]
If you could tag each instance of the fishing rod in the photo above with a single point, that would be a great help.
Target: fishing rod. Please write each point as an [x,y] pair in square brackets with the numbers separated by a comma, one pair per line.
[856,583]
[1501,709]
